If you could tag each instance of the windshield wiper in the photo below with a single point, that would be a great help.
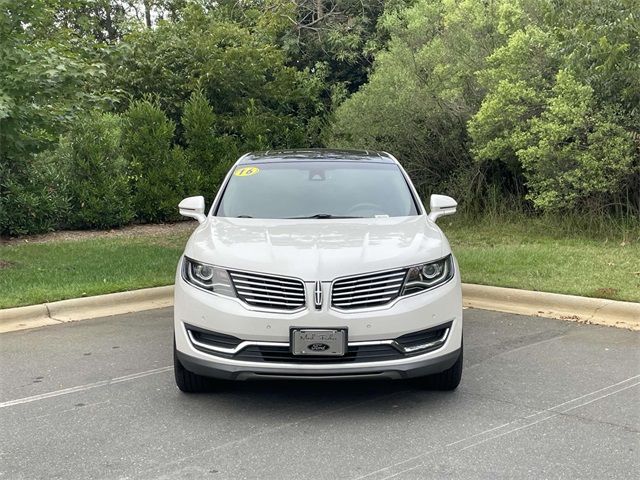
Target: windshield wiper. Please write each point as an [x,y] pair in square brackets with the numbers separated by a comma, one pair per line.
[322,215]
[244,216]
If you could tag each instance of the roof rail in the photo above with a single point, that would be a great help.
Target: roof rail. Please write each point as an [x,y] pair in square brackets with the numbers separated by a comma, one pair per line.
[248,154]
[388,155]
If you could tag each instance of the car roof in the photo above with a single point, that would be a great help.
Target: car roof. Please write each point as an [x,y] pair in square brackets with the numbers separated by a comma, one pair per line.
[316,154]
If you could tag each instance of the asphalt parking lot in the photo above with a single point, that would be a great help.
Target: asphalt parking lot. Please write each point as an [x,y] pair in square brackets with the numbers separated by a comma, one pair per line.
[539,399]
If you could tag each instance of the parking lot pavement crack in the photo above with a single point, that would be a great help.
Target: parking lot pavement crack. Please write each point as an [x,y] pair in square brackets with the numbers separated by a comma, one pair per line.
[584,419]
[502,349]
[501,400]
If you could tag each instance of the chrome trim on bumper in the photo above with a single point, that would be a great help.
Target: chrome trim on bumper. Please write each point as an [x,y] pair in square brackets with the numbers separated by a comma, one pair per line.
[237,348]
[247,343]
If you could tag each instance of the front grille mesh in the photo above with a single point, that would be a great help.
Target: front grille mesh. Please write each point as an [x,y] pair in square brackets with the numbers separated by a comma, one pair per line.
[354,354]
[371,290]
[268,291]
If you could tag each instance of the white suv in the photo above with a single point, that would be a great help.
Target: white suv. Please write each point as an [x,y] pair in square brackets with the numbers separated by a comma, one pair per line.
[317,264]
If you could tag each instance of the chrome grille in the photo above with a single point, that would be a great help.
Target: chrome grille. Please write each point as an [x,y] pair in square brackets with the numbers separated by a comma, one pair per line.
[268,291]
[371,290]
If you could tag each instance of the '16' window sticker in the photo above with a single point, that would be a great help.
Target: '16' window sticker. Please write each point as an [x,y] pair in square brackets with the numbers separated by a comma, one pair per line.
[246,171]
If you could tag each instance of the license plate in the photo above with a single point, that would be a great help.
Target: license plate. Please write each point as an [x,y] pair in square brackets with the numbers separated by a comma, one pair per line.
[319,342]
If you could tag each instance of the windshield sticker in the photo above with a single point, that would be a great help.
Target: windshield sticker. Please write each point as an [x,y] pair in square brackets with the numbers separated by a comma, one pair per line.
[246,171]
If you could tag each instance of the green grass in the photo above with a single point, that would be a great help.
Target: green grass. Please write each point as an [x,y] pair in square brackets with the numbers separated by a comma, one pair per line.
[45,272]
[529,254]
[535,254]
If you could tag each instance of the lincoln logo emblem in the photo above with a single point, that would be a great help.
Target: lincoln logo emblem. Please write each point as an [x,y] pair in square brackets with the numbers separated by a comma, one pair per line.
[317,295]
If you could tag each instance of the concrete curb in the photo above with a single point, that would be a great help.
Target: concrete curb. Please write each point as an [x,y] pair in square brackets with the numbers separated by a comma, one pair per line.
[509,300]
[75,309]
[553,305]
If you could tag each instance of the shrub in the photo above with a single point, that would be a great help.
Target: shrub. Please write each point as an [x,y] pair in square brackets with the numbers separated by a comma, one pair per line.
[576,157]
[97,186]
[35,202]
[207,151]
[159,173]
[561,105]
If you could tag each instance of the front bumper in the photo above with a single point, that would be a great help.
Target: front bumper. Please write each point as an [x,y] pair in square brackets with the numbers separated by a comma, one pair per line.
[244,371]
[229,316]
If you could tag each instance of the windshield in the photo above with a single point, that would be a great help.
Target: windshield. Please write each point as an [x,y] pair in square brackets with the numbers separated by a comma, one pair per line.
[317,190]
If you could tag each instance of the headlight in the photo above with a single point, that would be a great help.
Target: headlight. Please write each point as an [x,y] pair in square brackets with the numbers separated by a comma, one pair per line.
[208,277]
[428,275]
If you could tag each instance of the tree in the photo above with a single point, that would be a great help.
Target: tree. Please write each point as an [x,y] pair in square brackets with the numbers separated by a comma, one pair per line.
[551,117]
[105,20]
[97,184]
[49,77]
[210,153]
[423,89]
[234,69]
[159,172]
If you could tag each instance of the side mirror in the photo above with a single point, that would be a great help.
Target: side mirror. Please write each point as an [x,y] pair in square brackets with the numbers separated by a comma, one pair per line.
[193,207]
[441,205]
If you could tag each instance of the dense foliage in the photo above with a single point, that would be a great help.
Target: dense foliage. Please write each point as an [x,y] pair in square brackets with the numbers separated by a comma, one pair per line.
[96,183]
[536,100]
[48,77]
[112,110]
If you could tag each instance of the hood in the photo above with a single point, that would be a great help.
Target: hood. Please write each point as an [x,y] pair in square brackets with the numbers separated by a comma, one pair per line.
[316,249]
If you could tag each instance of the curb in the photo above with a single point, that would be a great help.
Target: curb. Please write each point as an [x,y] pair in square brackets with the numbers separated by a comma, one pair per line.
[598,311]
[510,300]
[76,309]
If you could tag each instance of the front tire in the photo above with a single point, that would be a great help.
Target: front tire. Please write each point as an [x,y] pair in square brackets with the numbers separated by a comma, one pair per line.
[447,380]
[187,381]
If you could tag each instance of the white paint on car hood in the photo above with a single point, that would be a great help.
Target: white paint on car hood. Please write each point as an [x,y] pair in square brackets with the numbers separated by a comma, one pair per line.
[316,249]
